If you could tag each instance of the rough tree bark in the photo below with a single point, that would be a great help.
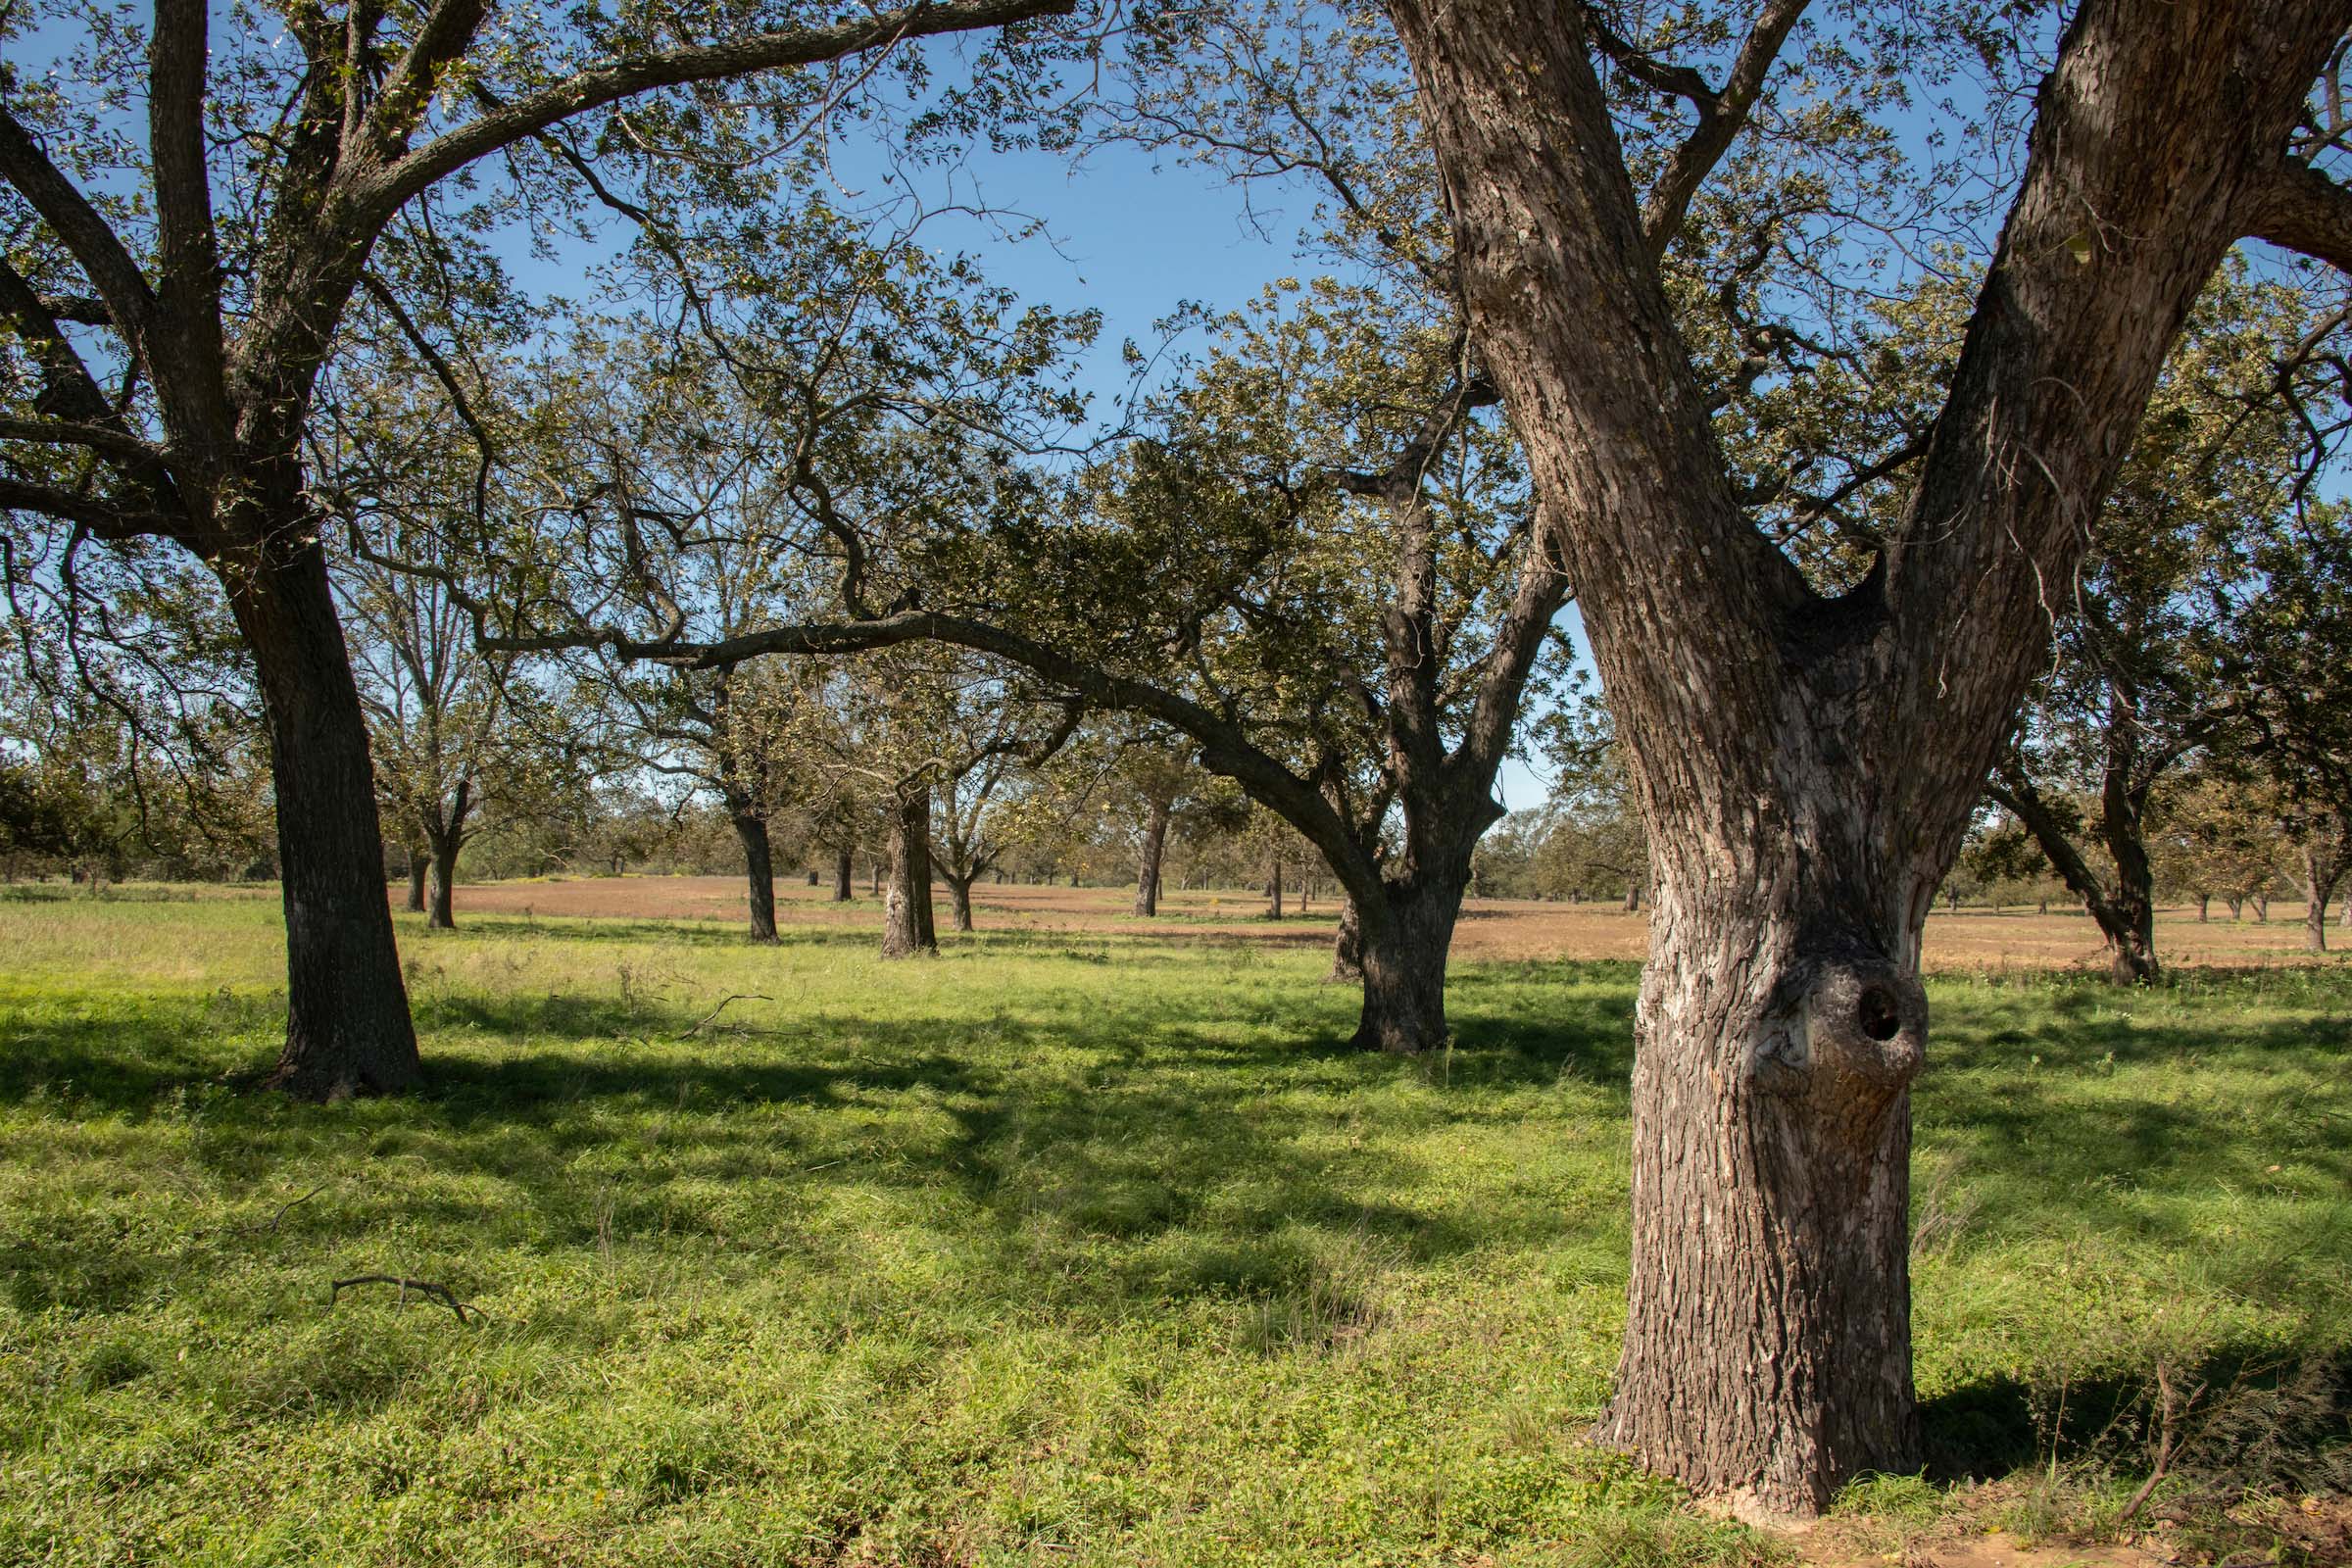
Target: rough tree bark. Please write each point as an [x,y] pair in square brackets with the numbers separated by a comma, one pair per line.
[1146,866]
[1348,947]
[759,868]
[907,926]
[347,1012]
[1807,766]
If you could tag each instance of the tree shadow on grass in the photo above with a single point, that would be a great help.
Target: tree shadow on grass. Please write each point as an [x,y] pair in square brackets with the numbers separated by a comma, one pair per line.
[2243,1418]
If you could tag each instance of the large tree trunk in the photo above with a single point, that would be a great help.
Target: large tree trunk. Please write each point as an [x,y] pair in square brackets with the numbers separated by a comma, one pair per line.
[759,871]
[1147,867]
[1768,1337]
[1807,764]
[907,926]
[845,873]
[416,904]
[347,1013]
[1403,948]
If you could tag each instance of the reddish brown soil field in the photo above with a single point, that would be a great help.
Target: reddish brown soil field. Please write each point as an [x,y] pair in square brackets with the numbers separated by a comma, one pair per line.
[1490,928]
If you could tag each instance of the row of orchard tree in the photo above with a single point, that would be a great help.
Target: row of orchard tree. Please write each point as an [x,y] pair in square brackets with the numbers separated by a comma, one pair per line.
[1810,350]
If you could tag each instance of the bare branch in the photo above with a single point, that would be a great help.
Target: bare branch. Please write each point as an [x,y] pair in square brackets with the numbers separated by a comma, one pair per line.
[734,57]
[2302,209]
[103,520]
[1721,117]
[96,248]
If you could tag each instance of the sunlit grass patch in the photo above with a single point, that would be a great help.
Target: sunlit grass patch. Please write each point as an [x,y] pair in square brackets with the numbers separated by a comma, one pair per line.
[1045,1251]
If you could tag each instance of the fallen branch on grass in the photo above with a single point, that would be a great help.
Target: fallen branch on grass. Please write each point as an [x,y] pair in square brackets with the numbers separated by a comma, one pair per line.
[748,995]
[440,1292]
[285,1209]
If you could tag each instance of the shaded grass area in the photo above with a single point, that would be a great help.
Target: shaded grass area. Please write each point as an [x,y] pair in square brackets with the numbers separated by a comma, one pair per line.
[1080,1249]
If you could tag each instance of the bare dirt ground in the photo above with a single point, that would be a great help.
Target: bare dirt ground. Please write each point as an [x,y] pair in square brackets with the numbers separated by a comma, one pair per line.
[1490,928]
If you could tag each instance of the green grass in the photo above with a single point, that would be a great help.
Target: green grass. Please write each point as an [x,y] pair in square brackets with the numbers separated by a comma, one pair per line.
[1068,1249]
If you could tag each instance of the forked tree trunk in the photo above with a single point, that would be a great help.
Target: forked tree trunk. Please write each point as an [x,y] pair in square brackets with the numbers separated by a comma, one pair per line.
[845,874]
[2262,907]
[2123,906]
[960,899]
[2324,864]
[1807,764]
[2237,907]
[347,1013]
[758,872]
[1147,868]
[907,927]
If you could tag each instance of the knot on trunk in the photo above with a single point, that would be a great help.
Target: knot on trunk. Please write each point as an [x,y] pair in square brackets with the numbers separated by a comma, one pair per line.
[1855,1035]
[1868,1021]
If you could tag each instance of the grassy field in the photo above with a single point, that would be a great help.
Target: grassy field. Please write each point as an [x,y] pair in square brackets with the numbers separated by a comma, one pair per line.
[1067,1246]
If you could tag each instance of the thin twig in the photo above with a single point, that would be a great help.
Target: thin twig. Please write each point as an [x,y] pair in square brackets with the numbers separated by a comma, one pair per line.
[748,995]
[440,1292]
[287,1207]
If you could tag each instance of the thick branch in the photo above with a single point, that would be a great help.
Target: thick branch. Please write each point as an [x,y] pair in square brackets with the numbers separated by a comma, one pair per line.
[101,255]
[1721,117]
[112,443]
[2302,209]
[734,57]
[183,346]
[1225,747]
[103,520]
